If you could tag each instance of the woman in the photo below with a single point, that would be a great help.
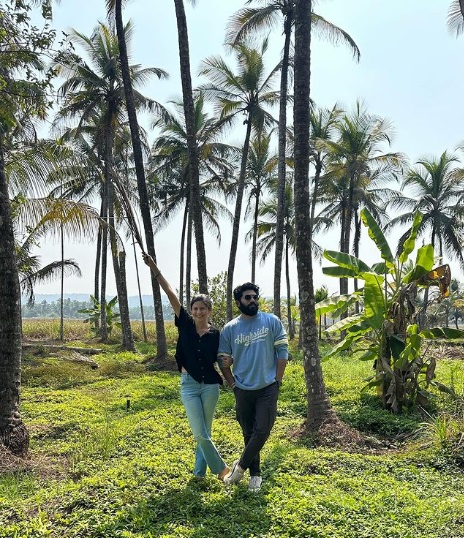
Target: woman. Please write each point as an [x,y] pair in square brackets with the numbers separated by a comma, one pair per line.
[196,353]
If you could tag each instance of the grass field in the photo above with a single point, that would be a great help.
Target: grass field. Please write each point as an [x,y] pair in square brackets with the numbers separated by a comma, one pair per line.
[101,468]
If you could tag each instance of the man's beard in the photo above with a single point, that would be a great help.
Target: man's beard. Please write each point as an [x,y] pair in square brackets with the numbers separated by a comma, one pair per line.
[248,310]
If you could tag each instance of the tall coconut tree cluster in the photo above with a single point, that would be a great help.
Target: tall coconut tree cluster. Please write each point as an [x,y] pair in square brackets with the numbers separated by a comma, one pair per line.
[297,170]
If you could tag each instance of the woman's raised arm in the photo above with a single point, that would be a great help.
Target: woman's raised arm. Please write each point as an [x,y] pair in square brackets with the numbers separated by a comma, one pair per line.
[165,286]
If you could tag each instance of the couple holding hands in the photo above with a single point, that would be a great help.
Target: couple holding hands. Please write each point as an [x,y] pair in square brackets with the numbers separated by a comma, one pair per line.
[255,345]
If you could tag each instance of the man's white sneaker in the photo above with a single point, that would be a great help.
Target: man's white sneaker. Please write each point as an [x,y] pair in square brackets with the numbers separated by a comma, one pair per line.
[235,475]
[255,483]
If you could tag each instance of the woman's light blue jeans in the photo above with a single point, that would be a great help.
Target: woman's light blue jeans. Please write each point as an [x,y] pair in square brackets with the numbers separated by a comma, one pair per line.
[200,401]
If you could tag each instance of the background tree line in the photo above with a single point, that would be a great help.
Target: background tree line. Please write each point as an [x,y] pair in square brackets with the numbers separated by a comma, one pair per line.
[71,308]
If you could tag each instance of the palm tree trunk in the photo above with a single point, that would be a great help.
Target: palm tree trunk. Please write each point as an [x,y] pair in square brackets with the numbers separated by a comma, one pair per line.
[142,313]
[119,268]
[182,254]
[343,248]
[255,234]
[62,280]
[346,236]
[127,334]
[96,288]
[194,172]
[316,181]
[188,265]
[281,166]
[237,217]
[319,408]
[356,242]
[104,263]
[13,433]
[291,331]
[161,343]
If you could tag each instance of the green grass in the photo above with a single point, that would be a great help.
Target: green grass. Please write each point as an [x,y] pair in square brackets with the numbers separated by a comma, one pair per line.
[99,469]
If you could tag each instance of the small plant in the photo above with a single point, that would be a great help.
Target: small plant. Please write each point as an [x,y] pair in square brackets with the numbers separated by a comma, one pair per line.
[94,313]
[446,433]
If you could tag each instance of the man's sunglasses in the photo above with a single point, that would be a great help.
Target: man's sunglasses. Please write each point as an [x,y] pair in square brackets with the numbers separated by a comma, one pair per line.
[249,297]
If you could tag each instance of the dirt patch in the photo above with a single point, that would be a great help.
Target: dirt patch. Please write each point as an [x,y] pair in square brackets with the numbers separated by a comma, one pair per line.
[334,433]
[10,463]
[447,351]
[41,465]
[157,364]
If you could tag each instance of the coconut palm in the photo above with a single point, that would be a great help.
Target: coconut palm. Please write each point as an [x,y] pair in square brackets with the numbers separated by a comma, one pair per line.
[169,173]
[94,94]
[36,218]
[455,17]
[356,167]
[194,165]
[261,173]
[130,98]
[22,99]
[266,231]
[323,123]
[434,188]
[319,410]
[245,92]
[267,14]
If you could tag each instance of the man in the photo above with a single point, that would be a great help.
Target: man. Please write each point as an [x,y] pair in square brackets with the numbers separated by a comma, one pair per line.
[256,344]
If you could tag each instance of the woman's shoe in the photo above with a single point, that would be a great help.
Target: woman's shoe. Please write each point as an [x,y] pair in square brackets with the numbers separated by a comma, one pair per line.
[223,473]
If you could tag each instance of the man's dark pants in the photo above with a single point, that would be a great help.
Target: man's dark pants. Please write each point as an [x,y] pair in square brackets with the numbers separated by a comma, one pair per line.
[256,412]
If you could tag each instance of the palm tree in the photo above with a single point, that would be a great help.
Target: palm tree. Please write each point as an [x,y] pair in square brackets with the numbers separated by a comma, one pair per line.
[435,191]
[261,169]
[249,20]
[455,17]
[169,172]
[323,123]
[13,433]
[194,167]
[94,93]
[234,94]
[130,98]
[36,218]
[435,188]
[355,166]
[23,98]
[266,229]
[319,409]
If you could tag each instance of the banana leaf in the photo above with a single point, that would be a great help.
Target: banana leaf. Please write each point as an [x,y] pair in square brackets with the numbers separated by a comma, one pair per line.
[410,242]
[342,259]
[336,304]
[376,234]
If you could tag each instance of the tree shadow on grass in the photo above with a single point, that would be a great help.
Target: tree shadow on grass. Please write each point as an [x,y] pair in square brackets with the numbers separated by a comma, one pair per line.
[202,509]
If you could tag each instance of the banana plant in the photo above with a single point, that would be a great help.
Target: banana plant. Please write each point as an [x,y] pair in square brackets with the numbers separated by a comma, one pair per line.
[94,312]
[386,330]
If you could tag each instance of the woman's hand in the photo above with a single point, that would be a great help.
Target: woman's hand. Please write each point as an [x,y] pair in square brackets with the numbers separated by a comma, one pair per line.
[227,362]
[147,259]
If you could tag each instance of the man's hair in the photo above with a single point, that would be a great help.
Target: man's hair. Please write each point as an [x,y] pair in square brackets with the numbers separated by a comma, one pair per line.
[247,286]
[203,298]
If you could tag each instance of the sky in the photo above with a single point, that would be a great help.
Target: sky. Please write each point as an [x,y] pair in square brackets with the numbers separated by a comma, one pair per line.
[410,72]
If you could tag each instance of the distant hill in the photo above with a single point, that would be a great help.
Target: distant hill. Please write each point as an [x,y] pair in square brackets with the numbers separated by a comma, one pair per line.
[82,297]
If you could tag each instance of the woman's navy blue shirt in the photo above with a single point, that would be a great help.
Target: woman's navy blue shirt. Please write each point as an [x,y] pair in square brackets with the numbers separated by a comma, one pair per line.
[197,354]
